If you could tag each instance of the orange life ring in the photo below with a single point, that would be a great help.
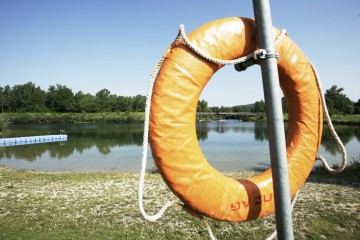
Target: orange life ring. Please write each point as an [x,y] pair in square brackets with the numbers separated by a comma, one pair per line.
[172,133]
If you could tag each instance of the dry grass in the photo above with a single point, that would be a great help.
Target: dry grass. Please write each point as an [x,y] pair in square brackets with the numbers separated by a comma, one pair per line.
[35,205]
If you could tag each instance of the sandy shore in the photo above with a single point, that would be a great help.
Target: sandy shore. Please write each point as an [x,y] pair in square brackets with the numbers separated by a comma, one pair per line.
[44,204]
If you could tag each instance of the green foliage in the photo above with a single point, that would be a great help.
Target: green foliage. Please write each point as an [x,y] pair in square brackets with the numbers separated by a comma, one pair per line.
[113,117]
[337,102]
[202,106]
[4,122]
[240,108]
[85,103]
[103,100]
[283,105]
[357,107]
[2,99]
[259,106]
[61,99]
[27,98]
[346,119]
[138,103]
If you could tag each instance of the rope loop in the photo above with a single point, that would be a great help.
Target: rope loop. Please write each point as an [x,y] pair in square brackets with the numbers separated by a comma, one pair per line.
[155,217]
[331,128]
[293,201]
[257,54]
[181,35]
[261,54]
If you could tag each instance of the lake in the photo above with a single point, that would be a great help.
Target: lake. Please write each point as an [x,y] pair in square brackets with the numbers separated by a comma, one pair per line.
[231,145]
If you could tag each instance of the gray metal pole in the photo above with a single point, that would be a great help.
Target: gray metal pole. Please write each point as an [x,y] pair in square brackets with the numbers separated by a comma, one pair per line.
[275,120]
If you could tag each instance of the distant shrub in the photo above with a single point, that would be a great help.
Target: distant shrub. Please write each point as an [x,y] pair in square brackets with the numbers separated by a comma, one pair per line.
[4,122]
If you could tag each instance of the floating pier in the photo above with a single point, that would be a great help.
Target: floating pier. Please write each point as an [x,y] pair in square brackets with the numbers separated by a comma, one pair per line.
[5,142]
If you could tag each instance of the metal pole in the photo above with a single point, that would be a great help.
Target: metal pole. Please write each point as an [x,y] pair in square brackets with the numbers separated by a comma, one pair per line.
[275,120]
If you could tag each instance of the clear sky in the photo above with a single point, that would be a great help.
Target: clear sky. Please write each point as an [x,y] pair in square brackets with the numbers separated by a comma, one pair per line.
[90,45]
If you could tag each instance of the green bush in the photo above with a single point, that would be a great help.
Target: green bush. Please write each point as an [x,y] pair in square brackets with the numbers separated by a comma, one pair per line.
[110,117]
[3,122]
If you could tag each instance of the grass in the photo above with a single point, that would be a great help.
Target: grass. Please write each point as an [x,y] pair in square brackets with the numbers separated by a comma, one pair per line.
[346,119]
[339,119]
[124,117]
[39,205]
[3,122]
[109,117]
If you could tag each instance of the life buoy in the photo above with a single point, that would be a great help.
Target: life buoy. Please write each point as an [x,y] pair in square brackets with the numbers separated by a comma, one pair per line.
[172,133]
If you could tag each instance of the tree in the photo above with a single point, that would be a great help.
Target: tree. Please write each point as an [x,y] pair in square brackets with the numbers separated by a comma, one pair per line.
[284,105]
[85,102]
[337,102]
[7,93]
[202,106]
[240,108]
[60,99]
[259,106]
[113,103]
[357,107]
[225,109]
[3,122]
[215,109]
[2,99]
[103,100]
[51,98]
[138,103]
[124,104]
[27,98]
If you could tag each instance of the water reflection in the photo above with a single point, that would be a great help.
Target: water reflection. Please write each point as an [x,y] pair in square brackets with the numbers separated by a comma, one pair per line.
[346,134]
[235,126]
[227,141]
[81,138]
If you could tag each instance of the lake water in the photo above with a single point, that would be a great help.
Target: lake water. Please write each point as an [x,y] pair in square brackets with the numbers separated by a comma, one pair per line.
[228,146]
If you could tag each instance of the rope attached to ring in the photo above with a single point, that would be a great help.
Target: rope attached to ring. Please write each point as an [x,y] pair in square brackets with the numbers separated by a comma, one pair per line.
[181,34]
[262,52]
[226,62]
[332,129]
[254,55]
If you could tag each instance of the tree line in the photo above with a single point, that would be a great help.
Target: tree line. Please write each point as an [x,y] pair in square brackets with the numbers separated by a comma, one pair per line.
[337,103]
[61,99]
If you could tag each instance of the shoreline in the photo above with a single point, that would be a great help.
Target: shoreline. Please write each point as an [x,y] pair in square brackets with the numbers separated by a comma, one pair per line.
[75,205]
[130,117]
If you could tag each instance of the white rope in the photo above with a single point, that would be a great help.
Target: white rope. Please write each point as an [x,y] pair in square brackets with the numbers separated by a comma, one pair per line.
[331,128]
[155,217]
[293,201]
[335,136]
[153,75]
[208,228]
[220,61]
[159,214]
[226,62]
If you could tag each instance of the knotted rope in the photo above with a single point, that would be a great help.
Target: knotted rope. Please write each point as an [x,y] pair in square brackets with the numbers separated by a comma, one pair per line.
[318,82]
[153,75]
[182,35]
[220,61]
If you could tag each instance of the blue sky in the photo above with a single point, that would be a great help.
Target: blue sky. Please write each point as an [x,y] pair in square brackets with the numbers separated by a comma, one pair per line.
[92,45]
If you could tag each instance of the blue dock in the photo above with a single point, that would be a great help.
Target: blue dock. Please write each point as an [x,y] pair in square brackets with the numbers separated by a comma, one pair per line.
[5,142]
